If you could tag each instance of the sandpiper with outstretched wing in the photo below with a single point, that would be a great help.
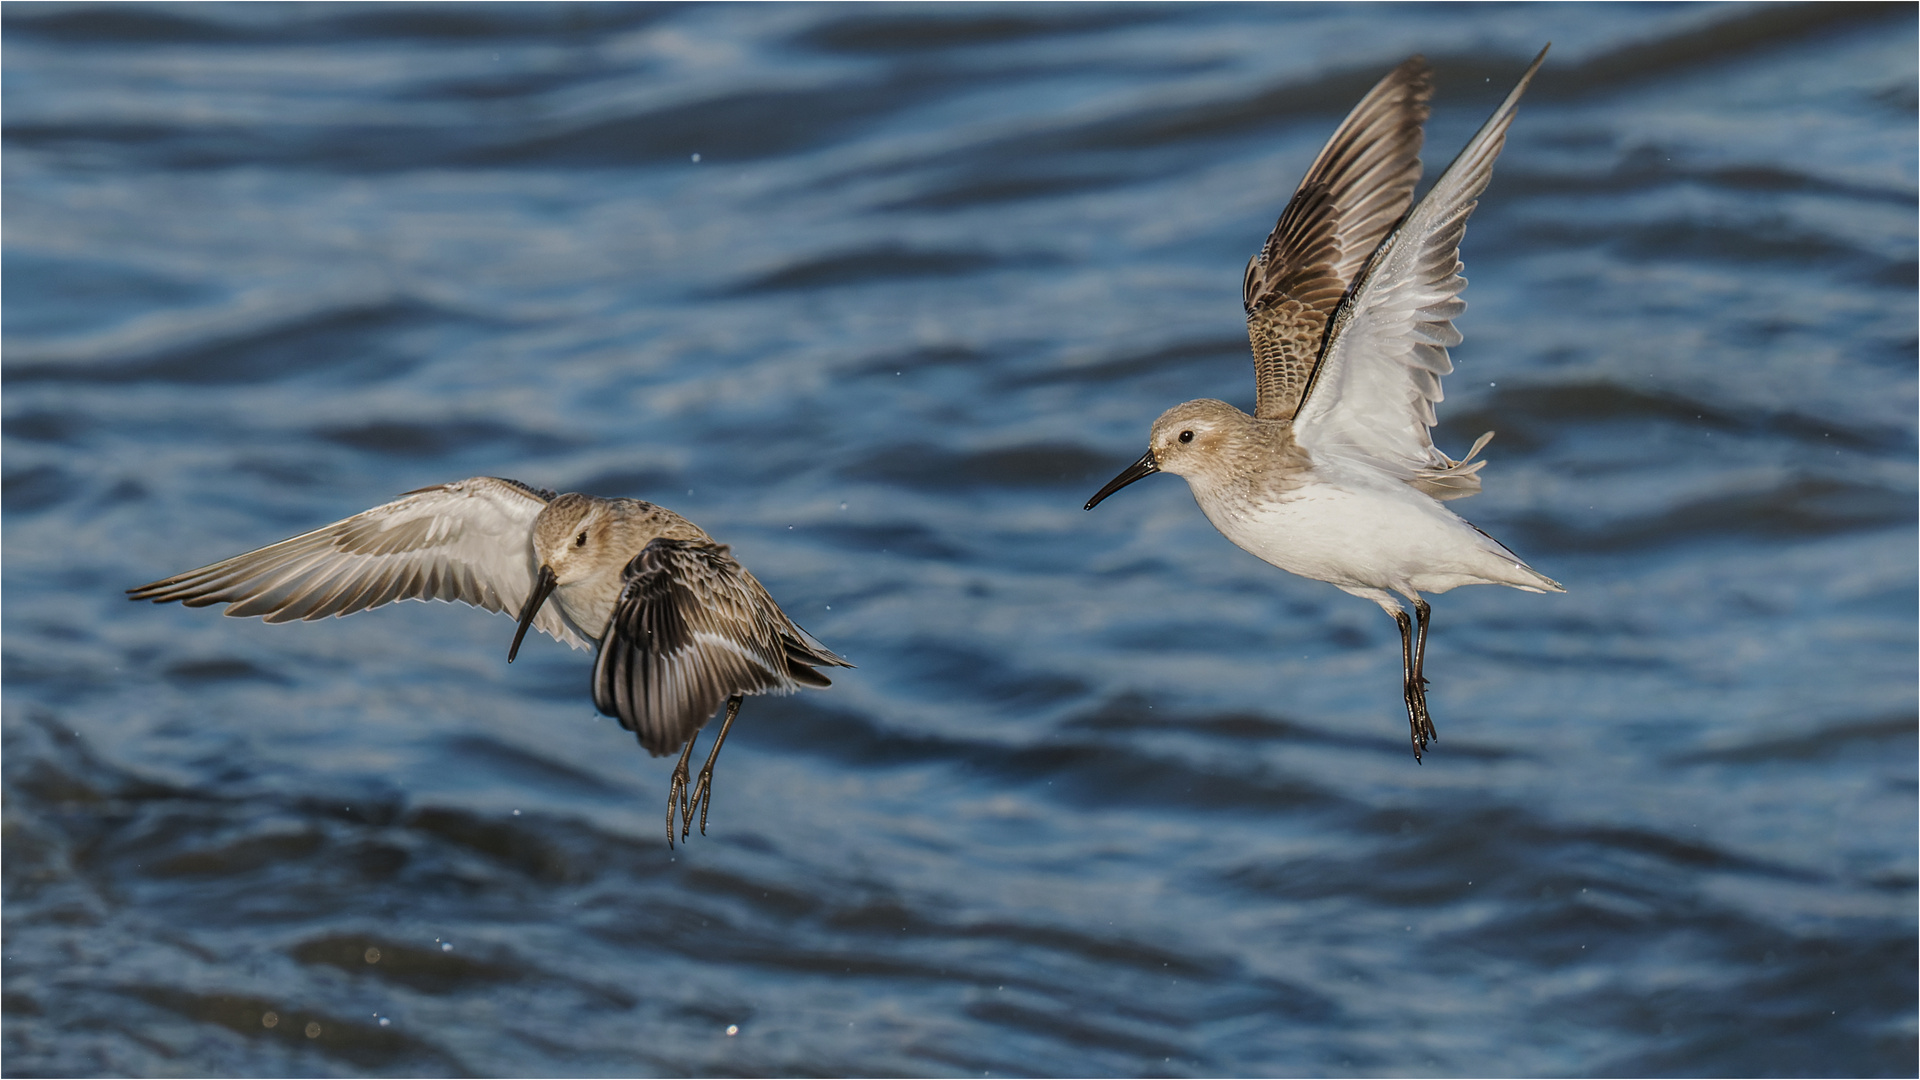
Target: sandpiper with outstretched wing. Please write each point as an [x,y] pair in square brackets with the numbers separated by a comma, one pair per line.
[1350,308]
[680,626]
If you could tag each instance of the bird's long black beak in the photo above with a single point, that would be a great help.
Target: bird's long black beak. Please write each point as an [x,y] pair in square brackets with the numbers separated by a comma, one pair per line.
[1146,466]
[542,587]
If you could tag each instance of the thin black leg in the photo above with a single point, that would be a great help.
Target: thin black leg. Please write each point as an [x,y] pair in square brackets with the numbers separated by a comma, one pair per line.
[1425,611]
[703,788]
[677,787]
[1406,678]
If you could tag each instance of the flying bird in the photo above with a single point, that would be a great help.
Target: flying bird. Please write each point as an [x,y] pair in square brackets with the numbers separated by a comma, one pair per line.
[680,627]
[1350,307]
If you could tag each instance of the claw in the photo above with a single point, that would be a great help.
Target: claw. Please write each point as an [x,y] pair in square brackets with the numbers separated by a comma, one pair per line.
[677,792]
[1418,720]
[686,811]
[703,797]
[703,788]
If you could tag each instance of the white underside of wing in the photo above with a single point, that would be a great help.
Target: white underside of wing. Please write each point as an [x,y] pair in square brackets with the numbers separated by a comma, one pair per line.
[1372,400]
[468,541]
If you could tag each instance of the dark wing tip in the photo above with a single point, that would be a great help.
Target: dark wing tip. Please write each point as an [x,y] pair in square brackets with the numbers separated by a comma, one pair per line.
[148,591]
[1417,74]
[802,655]
[806,676]
[807,650]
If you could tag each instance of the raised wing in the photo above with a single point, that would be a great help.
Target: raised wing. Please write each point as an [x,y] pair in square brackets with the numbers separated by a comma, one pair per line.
[691,629]
[468,541]
[1372,397]
[1356,190]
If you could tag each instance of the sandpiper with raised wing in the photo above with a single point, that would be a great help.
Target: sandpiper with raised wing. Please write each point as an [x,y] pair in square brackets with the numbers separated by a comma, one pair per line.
[1350,308]
[680,626]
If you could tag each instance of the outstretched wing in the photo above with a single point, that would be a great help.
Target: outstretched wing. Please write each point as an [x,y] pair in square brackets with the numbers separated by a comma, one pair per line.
[1356,190]
[691,629]
[1373,396]
[467,541]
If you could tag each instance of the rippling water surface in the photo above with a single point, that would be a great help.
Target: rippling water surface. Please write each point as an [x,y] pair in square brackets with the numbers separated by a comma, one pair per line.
[879,295]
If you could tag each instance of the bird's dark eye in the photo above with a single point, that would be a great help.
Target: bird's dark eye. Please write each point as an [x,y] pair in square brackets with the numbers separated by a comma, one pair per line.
[1186,436]
[580,541]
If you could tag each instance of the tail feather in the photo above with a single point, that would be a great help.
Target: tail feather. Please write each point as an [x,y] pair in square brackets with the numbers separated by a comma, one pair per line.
[1544,584]
[1450,479]
[1527,579]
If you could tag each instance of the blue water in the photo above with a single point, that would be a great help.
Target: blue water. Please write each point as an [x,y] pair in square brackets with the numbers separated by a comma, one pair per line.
[1106,795]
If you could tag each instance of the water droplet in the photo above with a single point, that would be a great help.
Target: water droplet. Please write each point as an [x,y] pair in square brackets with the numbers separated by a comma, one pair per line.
[384,1021]
[446,946]
[733,1029]
[270,1019]
[372,955]
[696,159]
[313,1029]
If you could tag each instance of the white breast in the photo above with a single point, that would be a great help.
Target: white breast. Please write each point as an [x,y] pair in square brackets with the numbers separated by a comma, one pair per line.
[588,604]
[1362,534]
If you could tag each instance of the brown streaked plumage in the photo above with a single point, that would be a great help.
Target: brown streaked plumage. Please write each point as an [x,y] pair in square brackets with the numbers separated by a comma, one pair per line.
[1357,190]
[681,626]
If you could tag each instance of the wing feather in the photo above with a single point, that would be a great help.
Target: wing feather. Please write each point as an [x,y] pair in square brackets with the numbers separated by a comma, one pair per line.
[1353,193]
[692,628]
[465,541]
[1373,395]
